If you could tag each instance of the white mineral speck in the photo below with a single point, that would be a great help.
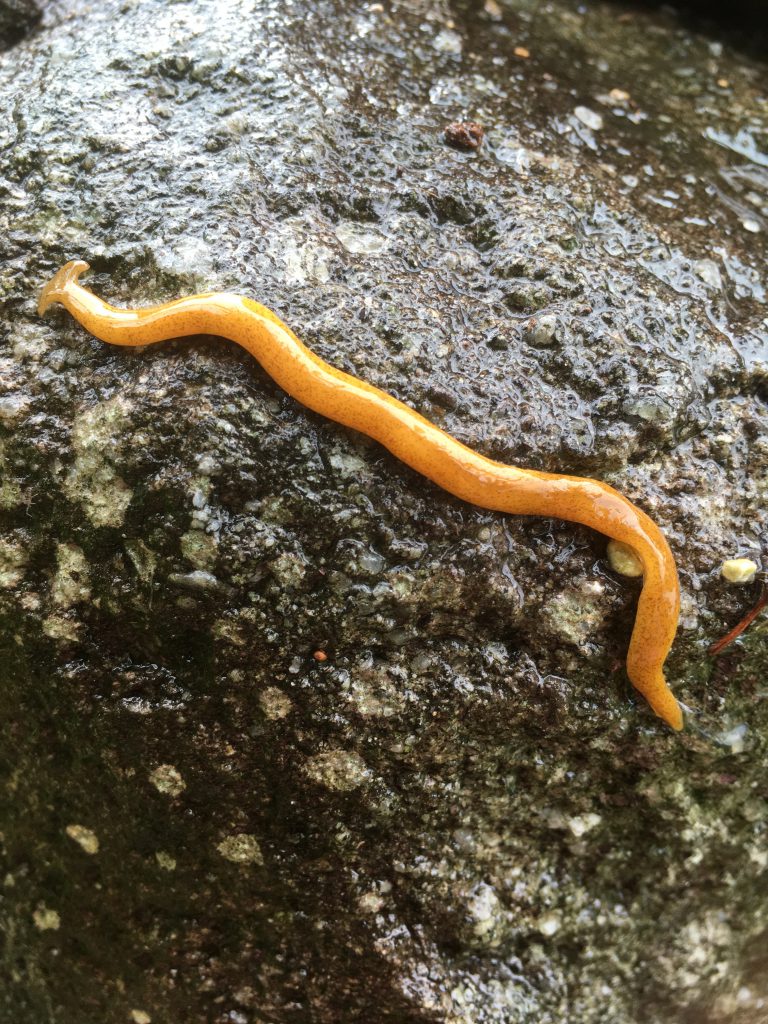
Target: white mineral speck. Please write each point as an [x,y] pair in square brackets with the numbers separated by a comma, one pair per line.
[583,823]
[370,561]
[348,465]
[589,118]
[483,907]
[187,257]
[12,407]
[542,330]
[548,924]
[447,41]
[734,738]
[709,272]
[359,239]
[370,902]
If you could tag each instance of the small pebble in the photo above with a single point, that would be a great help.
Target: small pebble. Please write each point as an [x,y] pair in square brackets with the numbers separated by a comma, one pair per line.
[623,559]
[197,581]
[549,924]
[738,570]
[589,118]
[542,330]
[464,135]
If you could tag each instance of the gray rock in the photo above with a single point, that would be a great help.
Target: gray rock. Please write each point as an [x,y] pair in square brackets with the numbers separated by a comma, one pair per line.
[404,778]
[542,330]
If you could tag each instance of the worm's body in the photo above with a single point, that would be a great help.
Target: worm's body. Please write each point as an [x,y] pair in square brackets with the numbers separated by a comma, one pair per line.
[414,440]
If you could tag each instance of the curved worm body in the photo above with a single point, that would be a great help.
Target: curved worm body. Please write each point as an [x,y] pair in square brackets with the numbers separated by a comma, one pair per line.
[414,440]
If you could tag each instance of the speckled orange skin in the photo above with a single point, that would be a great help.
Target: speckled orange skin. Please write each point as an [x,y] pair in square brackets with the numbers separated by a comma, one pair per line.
[415,441]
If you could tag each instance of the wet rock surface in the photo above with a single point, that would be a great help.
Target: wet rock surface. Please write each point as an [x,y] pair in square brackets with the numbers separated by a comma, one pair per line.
[461,813]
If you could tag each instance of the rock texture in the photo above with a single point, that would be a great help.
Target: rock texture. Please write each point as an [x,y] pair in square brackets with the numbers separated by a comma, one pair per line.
[17,17]
[462,814]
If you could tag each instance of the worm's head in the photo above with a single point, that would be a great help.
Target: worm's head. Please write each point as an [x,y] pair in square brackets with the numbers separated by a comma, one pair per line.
[60,284]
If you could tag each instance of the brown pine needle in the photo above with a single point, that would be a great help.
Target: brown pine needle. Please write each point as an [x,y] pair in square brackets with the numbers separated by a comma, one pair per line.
[739,628]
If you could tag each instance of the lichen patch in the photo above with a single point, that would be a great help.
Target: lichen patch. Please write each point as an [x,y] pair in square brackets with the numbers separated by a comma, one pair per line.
[199,548]
[167,779]
[86,838]
[342,770]
[241,849]
[13,559]
[71,582]
[165,860]
[93,480]
[58,628]
[46,919]
[143,558]
[576,614]
[275,704]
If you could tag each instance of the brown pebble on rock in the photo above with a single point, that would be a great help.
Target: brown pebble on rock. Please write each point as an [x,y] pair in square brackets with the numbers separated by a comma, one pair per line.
[464,134]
